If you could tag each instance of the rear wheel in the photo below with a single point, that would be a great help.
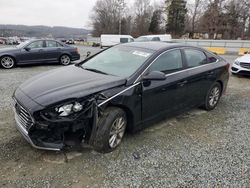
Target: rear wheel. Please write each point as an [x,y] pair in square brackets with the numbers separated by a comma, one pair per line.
[7,62]
[213,97]
[111,129]
[65,60]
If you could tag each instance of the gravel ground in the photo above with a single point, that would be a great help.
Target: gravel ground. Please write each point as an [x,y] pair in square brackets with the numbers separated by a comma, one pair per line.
[195,149]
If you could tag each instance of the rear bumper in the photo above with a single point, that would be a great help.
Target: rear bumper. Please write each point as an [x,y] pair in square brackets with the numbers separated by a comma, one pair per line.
[75,57]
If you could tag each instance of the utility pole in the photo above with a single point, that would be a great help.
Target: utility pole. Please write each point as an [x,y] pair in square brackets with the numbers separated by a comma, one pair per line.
[120,22]
[121,6]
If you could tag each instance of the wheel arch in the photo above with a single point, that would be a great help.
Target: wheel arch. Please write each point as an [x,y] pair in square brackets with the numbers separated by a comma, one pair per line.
[221,84]
[9,55]
[65,53]
[129,114]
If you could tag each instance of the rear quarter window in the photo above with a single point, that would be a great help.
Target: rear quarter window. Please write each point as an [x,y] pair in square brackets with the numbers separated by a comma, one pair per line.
[211,58]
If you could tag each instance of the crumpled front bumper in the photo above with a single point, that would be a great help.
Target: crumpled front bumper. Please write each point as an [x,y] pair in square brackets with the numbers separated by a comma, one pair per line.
[55,135]
[25,134]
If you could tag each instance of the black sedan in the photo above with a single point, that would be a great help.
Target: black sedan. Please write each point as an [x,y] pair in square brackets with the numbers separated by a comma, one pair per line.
[125,87]
[38,51]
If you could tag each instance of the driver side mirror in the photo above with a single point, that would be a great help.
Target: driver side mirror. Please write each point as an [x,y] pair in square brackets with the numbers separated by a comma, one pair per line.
[155,75]
[27,48]
[88,54]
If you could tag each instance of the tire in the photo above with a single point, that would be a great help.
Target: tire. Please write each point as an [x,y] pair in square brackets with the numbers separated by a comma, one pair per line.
[65,60]
[7,62]
[111,129]
[213,97]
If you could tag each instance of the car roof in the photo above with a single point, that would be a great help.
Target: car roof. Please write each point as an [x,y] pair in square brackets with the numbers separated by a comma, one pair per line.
[33,40]
[155,45]
[151,36]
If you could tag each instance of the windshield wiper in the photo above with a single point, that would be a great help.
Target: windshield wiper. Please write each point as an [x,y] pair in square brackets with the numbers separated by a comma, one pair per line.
[94,70]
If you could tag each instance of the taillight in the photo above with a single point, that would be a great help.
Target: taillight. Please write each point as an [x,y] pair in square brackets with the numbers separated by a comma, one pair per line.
[77,51]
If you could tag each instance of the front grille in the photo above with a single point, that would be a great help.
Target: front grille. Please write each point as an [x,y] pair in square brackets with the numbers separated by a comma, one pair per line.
[245,65]
[23,116]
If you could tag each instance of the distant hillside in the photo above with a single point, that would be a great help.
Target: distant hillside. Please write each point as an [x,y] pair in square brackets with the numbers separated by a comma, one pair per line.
[41,31]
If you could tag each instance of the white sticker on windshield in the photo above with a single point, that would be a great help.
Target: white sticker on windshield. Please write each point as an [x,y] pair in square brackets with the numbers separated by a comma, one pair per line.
[143,54]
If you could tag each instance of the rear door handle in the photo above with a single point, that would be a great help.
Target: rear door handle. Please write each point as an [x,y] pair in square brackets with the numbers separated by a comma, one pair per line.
[182,83]
[41,50]
[210,73]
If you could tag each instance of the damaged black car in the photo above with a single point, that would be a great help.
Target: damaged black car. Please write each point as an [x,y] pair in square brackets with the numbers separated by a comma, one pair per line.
[123,88]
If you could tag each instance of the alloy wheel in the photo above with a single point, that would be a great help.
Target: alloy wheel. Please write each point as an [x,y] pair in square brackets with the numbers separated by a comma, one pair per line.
[214,96]
[65,60]
[117,132]
[7,62]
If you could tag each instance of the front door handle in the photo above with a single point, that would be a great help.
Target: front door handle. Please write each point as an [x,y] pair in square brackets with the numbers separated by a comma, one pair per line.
[182,83]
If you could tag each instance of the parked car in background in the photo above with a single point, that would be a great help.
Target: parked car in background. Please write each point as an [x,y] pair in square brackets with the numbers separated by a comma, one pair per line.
[70,41]
[38,52]
[122,88]
[111,40]
[241,65]
[2,41]
[147,38]
[11,42]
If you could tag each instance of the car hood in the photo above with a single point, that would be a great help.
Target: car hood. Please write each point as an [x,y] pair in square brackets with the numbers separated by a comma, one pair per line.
[245,59]
[67,83]
[4,50]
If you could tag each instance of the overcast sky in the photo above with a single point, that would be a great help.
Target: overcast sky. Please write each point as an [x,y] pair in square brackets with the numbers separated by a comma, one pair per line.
[70,13]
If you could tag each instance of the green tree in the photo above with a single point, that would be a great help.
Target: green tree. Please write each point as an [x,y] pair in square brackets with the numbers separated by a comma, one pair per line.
[154,26]
[176,12]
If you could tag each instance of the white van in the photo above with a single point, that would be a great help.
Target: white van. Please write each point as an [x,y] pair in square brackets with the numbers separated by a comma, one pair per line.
[164,38]
[111,40]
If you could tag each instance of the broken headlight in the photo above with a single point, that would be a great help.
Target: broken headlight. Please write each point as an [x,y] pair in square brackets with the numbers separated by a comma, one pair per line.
[68,109]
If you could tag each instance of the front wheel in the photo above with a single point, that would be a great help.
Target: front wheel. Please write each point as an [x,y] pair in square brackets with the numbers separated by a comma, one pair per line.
[65,60]
[111,129]
[213,97]
[7,62]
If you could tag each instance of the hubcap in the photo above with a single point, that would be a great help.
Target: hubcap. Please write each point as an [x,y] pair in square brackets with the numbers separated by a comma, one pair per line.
[65,60]
[7,62]
[214,96]
[117,132]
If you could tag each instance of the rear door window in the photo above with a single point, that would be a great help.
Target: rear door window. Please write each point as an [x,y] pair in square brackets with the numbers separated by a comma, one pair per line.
[51,44]
[195,58]
[168,62]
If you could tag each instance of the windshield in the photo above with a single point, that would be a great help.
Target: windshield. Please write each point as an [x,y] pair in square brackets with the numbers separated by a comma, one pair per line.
[120,61]
[22,44]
